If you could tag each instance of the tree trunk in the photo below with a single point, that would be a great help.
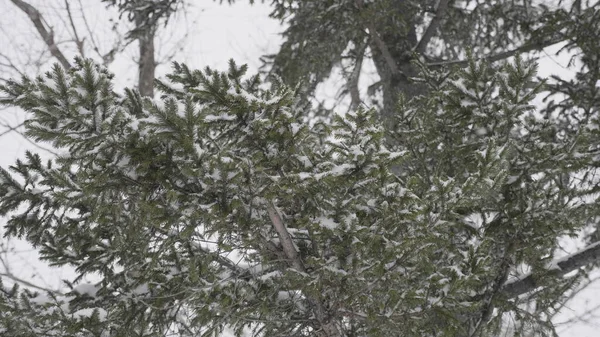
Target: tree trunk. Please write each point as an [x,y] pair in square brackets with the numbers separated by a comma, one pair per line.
[392,55]
[146,63]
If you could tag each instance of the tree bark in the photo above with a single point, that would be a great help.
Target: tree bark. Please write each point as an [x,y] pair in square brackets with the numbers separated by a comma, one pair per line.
[327,325]
[147,62]
[392,55]
[563,266]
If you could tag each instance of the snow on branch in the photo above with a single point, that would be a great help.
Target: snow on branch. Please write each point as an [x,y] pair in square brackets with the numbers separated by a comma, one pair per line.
[560,268]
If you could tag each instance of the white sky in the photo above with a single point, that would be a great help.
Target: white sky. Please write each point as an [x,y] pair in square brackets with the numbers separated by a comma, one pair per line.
[207,34]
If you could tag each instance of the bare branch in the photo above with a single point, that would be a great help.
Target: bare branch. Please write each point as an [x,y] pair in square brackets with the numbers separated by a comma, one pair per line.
[352,82]
[78,41]
[10,128]
[385,52]
[564,266]
[15,130]
[580,318]
[118,46]
[501,56]
[47,35]
[328,326]
[435,23]
[573,294]
[8,63]
[29,284]
[284,237]
[8,274]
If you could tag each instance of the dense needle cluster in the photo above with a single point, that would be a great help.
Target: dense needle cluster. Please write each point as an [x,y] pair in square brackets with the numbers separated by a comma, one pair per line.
[220,205]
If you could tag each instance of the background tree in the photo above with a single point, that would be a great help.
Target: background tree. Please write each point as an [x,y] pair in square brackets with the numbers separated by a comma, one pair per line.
[147,17]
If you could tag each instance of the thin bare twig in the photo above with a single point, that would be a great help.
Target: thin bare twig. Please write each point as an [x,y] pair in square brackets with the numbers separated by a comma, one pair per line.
[10,128]
[79,42]
[47,35]
[9,64]
[29,284]
[15,130]
[8,274]
[579,318]
[500,56]
[109,56]
[573,294]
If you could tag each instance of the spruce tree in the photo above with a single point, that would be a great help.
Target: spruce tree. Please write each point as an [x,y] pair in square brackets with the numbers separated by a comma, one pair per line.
[324,37]
[220,205]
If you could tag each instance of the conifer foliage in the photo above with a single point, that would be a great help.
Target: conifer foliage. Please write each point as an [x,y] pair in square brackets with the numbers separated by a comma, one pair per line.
[220,205]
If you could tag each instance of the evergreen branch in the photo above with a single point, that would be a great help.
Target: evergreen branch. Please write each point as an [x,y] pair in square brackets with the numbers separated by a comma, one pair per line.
[48,35]
[11,128]
[433,25]
[500,56]
[564,266]
[224,261]
[488,307]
